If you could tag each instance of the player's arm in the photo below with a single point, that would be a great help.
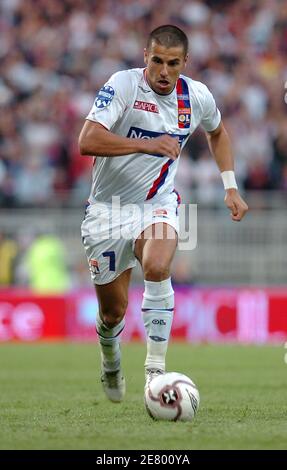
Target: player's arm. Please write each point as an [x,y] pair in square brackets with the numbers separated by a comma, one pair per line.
[220,148]
[96,140]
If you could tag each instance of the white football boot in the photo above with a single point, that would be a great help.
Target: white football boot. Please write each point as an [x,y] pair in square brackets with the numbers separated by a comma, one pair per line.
[114,385]
[150,374]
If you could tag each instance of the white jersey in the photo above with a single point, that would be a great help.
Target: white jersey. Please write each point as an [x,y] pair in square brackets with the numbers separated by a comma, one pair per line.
[127,106]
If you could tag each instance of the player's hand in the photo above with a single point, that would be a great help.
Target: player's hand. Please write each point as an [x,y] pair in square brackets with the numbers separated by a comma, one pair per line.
[164,145]
[235,203]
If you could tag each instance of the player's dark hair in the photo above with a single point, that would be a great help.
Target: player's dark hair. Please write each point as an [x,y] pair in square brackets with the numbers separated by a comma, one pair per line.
[168,36]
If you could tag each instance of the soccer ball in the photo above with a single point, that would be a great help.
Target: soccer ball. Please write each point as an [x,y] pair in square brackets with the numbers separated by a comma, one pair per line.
[172,397]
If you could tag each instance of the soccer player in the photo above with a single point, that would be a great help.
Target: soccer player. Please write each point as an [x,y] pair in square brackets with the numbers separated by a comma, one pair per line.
[140,121]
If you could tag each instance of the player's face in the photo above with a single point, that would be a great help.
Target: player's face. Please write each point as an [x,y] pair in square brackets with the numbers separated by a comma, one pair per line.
[164,65]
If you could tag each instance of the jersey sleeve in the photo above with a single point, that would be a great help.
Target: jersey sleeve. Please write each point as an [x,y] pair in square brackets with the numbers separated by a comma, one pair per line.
[211,115]
[111,101]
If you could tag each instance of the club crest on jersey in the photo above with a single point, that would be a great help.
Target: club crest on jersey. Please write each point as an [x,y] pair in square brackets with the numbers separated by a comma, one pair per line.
[183,116]
[183,104]
[144,106]
[105,96]
[94,266]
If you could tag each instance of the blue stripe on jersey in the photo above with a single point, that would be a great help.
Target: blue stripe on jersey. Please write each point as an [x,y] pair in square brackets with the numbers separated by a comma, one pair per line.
[138,133]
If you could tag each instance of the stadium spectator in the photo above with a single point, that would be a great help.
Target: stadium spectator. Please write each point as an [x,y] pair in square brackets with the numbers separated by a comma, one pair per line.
[46,265]
[8,255]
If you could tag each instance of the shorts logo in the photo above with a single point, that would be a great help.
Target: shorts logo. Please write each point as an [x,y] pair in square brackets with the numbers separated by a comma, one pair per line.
[160,213]
[144,106]
[104,97]
[94,266]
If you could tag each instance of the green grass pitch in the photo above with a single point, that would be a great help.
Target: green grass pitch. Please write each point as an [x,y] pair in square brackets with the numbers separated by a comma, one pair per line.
[51,398]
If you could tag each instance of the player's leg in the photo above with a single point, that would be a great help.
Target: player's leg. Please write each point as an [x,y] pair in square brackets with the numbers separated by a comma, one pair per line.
[111,259]
[155,255]
[113,301]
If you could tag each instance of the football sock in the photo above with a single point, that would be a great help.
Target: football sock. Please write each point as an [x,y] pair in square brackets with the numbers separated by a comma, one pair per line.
[157,308]
[110,344]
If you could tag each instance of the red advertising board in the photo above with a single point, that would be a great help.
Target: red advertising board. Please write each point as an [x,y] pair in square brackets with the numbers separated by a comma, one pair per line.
[245,315]
[26,317]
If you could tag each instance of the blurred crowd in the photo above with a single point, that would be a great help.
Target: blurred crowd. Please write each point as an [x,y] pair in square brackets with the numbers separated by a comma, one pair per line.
[55,55]
[40,261]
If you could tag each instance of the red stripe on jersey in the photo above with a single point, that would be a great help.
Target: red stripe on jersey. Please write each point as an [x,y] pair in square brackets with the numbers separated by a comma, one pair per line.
[160,180]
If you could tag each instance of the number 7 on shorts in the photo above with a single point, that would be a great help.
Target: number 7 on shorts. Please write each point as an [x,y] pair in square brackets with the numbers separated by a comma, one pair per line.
[112,256]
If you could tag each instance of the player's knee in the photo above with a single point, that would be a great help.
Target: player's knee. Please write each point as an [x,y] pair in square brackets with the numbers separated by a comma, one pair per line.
[112,320]
[113,316]
[156,271]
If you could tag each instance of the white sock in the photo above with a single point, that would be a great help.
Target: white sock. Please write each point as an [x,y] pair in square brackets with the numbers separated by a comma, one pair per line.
[110,344]
[157,308]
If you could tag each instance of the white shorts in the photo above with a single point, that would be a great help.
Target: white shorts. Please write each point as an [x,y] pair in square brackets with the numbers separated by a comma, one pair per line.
[109,233]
